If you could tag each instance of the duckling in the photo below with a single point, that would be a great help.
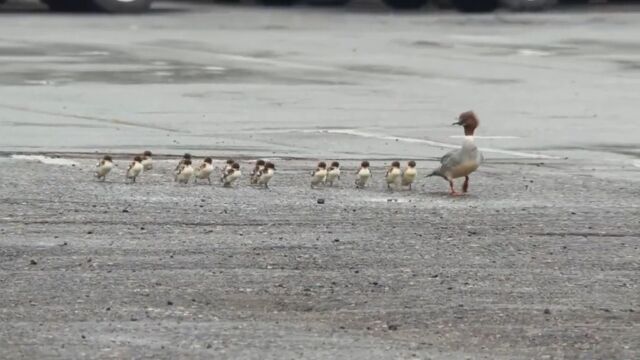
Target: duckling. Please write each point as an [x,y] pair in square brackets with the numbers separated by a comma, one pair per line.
[185,157]
[393,174]
[260,164]
[185,171]
[204,170]
[232,175]
[363,175]
[409,174]
[135,168]
[103,167]
[333,173]
[147,162]
[319,176]
[266,174]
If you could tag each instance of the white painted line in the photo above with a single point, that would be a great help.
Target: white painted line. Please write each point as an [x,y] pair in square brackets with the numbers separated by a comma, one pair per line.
[498,137]
[45,160]
[429,142]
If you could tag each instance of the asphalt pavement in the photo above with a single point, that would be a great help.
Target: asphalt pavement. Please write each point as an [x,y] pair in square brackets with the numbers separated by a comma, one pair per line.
[539,260]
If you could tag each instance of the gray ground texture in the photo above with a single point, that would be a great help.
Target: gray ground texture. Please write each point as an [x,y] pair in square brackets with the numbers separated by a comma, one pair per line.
[540,260]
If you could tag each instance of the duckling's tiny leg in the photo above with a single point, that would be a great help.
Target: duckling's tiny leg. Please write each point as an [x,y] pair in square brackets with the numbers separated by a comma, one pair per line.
[465,186]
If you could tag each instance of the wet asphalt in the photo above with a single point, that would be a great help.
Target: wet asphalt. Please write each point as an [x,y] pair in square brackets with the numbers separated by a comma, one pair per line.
[540,260]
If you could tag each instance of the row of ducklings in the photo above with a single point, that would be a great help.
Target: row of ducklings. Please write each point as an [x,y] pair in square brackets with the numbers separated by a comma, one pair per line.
[261,174]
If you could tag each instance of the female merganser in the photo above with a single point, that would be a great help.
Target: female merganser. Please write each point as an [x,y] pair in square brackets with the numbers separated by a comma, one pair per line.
[147,162]
[266,174]
[333,173]
[393,174]
[409,174]
[363,175]
[135,168]
[204,170]
[464,161]
[185,171]
[104,167]
[319,175]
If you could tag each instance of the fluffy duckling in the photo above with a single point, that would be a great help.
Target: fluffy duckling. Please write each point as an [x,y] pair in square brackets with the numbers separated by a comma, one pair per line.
[185,171]
[103,167]
[393,174]
[231,175]
[204,170]
[363,175]
[319,176]
[255,173]
[409,174]
[266,174]
[135,168]
[147,162]
[228,165]
[185,157]
[333,173]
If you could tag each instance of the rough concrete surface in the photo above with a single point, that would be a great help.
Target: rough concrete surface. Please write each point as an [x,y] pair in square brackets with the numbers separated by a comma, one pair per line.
[540,260]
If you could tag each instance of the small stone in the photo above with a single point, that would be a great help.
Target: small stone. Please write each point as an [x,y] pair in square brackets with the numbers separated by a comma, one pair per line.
[336,240]
[89,232]
[392,327]
[320,201]
[125,210]
[547,311]
[209,346]
[108,308]
[142,228]
[33,262]
[434,276]
[170,303]
[82,336]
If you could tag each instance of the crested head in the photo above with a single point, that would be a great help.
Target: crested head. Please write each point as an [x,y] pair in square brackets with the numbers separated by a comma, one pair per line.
[270,165]
[235,166]
[335,164]
[137,159]
[260,163]
[147,153]
[395,164]
[208,160]
[322,165]
[411,164]
[186,156]
[230,162]
[469,121]
[107,158]
[364,164]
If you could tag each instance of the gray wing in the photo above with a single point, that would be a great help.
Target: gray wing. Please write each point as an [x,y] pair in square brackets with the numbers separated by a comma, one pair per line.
[451,159]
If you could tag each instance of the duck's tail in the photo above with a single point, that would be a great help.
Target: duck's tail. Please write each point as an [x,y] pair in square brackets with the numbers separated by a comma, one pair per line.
[437,173]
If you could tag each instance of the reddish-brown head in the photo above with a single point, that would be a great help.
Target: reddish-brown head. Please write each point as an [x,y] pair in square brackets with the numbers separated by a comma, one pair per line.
[468,121]
[147,153]
[208,160]
[270,165]
[107,158]
[335,164]
[137,159]
[230,162]
[235,166]
[260,163]
[322,165]
[395,164]
[186,156]
[365,164]
[411,164]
